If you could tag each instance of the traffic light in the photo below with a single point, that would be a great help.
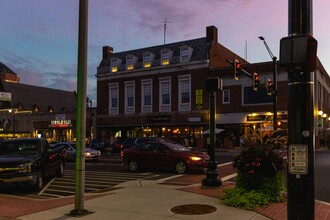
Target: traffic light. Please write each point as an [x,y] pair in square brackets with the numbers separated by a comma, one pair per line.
[270,89]
[237,67]
[255,81]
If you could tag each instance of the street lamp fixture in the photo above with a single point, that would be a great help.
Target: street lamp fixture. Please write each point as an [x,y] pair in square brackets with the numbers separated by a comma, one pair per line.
[274,58]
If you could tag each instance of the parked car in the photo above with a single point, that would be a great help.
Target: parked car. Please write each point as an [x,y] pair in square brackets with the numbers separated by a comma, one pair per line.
[27,161]
[97,144]
[130,142]
[163,156]
[90,154]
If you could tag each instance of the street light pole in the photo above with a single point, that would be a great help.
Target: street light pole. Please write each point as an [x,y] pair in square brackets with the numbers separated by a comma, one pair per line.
[274,58]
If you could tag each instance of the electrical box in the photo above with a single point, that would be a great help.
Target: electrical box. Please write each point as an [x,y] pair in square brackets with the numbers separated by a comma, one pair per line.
[298,52]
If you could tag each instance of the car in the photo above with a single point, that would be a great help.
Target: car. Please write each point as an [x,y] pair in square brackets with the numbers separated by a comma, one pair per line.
[164,156]
[129,142]
[28,161]
[90,153]
[97,144]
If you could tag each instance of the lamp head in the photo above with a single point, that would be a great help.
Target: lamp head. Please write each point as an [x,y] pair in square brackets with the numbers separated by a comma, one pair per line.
[261,38]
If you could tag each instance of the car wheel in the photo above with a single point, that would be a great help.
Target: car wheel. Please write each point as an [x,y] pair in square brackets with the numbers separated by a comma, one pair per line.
[180,167]
[40,182]
[60,170]
[133,166]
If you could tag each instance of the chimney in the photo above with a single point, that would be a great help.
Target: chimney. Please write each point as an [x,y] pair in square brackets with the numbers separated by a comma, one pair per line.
[107,52]
[212,34]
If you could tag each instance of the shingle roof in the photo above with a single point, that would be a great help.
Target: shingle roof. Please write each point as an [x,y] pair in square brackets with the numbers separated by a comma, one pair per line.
[200,47]
[29,96]
[5,69]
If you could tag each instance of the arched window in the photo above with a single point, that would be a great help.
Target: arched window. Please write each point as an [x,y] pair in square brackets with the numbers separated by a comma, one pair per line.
[35,108]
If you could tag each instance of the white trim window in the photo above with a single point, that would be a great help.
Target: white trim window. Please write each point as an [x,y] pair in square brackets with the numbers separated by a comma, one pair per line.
[130,97]
[165,94]
[113,98]
[185,54]
[226,96]
[146,95]
[184,93]
[166,56]
[114,65]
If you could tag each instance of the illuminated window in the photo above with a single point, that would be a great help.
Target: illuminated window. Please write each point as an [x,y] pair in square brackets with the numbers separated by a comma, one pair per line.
[130,60]
[165,58]
[147,61]
[114,65]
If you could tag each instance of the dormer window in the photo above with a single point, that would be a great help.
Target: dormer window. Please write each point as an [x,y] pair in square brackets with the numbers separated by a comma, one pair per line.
[114,65]
[185,54]
[130,61]
[166,56]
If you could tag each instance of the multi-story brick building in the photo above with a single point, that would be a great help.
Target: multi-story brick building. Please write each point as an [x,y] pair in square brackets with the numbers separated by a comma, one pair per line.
[160,91]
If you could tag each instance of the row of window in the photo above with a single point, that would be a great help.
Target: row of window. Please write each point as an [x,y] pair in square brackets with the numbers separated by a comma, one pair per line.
[184,95]
[148,58]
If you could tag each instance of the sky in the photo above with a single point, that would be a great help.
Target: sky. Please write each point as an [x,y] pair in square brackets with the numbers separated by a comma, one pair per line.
[39,38]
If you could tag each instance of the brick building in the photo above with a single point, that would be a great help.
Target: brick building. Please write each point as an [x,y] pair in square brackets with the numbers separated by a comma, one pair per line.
[160,91]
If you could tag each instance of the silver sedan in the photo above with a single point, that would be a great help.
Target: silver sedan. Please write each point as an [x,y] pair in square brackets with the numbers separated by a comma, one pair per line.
[90,153]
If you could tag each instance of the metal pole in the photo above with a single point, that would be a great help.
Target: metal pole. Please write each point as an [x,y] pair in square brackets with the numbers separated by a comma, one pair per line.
[81,109]
[300,187]
[211,179]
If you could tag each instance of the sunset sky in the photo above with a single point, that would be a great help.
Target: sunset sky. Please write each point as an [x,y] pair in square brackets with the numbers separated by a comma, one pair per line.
[39,38]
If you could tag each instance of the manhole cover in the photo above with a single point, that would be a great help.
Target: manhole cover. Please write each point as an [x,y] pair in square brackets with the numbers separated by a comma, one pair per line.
[193,209]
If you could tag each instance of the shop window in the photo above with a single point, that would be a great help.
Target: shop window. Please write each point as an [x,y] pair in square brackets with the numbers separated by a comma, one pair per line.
[253,97]
[113,98]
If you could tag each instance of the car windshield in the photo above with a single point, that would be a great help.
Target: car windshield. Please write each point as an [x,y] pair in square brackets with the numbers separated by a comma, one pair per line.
[19,148]
[177,147]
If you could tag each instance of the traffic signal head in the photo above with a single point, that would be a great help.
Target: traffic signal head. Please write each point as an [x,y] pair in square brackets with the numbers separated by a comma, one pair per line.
[270,89]
[237,67]
[255,81]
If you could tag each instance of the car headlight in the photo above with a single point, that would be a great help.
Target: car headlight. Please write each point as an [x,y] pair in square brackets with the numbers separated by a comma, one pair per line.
[25,168]
[195,158]
[87,154]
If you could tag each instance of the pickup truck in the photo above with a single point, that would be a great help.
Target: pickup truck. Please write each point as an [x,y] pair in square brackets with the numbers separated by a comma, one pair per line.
[28,161]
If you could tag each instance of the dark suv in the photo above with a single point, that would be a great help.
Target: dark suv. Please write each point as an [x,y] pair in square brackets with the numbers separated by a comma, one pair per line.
[130,142]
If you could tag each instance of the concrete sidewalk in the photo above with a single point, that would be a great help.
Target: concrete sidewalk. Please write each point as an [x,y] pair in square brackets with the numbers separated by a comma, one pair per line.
[148,199]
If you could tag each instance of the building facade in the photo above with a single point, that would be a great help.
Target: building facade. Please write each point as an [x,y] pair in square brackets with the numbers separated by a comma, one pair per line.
[160,91]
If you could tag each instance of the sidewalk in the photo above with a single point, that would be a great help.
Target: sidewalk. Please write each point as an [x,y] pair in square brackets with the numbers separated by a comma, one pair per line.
[148,199]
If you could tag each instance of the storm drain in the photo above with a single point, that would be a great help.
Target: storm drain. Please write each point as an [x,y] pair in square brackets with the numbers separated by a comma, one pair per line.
[193,209]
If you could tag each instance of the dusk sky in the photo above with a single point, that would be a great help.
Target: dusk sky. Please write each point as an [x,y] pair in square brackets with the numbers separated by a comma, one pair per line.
[39,38]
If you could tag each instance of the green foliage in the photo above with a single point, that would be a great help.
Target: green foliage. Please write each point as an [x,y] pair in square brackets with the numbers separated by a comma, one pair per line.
[259,180]
[270,191]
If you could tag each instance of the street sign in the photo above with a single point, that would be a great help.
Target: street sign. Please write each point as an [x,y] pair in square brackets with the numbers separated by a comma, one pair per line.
[298,159]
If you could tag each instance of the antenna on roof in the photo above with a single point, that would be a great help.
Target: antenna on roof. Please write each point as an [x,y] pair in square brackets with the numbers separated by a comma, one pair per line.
[246,47]
[165,22]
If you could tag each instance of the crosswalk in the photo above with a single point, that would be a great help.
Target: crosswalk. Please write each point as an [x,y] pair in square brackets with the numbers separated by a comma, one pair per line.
[95,181]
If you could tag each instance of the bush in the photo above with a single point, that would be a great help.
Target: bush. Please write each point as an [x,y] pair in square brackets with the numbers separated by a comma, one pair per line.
[270,191]
[259,178]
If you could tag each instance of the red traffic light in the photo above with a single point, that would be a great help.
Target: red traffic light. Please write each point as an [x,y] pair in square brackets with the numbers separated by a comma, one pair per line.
[255,81]
[237,67]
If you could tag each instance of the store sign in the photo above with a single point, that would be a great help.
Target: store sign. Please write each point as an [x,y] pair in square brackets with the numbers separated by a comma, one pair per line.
[199,98]
[5,96]
[60,124]
[160,118]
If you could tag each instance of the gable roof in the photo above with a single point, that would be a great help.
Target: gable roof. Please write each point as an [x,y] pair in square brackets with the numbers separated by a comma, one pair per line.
[28,96]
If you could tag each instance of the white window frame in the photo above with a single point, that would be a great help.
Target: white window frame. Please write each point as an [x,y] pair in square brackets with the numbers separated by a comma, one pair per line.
[223,96]
[146,108]
[129,109]
[185,54]
[164,107]
[184,106]
[113,110]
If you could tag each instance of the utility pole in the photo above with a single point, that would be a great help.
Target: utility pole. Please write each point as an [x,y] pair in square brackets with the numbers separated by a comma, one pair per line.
[298,56]
[81,110]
